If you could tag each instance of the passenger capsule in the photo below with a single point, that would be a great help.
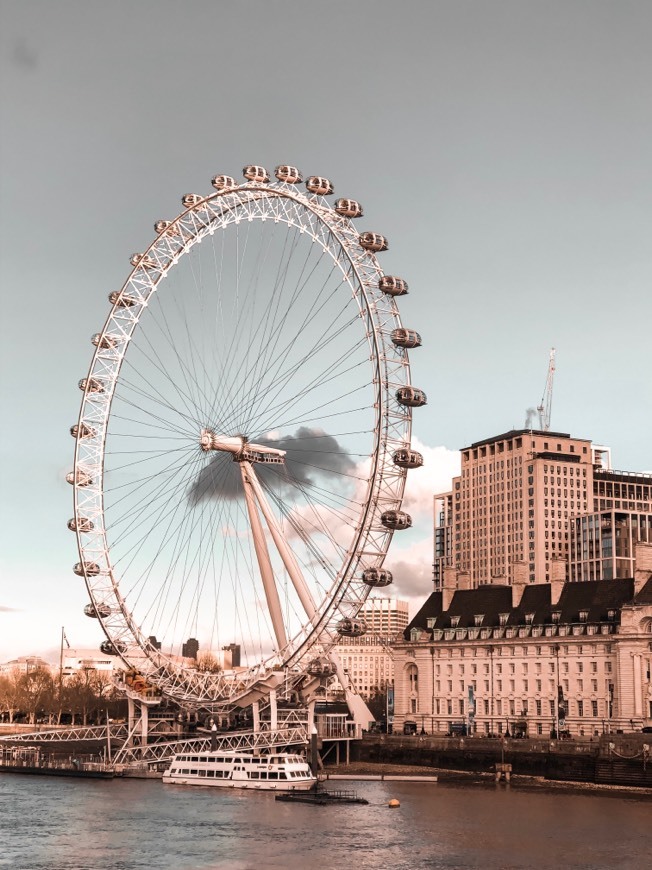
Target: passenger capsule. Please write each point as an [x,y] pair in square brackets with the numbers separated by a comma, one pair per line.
[106,341]
[86,569]
[80,478]
[320,668]
[377,577]
[288,174]
[91,385]
[348,208]
[351,627]
[121,299]
[411,397]
[373,242]
[111,648]
[162,226]
[396,520]
[95,610]
[258,174]
[320,186]
[223,182]
[80,524]
[393,286]
[406,338]
[142,260]
[405,458]
[82,430]
[190,199]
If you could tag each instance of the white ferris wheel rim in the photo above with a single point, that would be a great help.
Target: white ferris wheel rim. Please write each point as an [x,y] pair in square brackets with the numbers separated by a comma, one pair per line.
[281,202]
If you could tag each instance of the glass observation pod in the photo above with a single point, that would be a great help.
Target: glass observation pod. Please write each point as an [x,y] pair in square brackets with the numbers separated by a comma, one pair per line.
[351,627]
[141,260]
[393,286]
[320,186]
[320,668]
[91,385]
[105,342]
[82,478]
[373,242]
[162,226]
[256,173]
[405,338]
[411,397]
[80,524]
[82,430]
[122,300]
[377,577]
[86,569]
[223,182]
[190,199]
[348,208]
[288,174]
[405,458]
[96,610]
[109,648]
[396,520]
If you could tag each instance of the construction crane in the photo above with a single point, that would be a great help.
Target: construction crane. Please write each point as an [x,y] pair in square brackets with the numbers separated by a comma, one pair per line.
[546,400]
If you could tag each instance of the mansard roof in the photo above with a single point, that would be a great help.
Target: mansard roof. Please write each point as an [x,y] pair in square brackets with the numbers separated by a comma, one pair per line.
[597,598]
[645,595]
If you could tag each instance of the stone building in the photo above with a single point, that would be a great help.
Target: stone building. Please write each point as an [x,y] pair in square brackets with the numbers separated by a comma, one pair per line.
[529,658]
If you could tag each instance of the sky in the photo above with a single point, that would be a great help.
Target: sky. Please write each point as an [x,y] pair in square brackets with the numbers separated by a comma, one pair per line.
[502,146]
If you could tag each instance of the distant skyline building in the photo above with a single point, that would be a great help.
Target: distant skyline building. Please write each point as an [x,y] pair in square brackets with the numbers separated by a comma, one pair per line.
[514,510]
[190,648]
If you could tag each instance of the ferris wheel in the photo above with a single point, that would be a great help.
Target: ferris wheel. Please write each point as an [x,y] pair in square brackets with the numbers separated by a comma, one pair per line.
[243,440]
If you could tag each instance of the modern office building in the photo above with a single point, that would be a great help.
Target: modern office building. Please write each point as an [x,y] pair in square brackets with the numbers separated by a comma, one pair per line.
[531,659]
[516,502]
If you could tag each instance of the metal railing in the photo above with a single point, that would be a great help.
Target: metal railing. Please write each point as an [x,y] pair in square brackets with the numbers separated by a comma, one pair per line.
[155,753]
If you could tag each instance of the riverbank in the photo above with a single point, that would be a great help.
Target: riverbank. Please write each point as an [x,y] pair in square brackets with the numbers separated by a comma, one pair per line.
[448,776]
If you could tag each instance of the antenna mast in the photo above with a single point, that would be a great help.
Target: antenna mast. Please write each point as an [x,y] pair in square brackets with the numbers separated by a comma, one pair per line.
[546,400]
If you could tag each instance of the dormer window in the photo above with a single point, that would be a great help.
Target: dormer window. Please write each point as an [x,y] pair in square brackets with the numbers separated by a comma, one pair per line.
[503,617]
[415,633]
[556,616]
[529,618]
[430,622]
[611,615]
[478,618]
[584,615]
[455,621]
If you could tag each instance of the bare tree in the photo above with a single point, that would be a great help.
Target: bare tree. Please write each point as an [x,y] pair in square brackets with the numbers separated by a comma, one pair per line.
[36,692]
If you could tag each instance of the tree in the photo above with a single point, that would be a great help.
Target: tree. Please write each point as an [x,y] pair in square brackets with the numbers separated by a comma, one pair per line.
[10,693]
[36,692]
[207,663]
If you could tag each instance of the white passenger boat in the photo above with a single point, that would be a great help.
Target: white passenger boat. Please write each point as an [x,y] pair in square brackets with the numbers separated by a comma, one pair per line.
[280,771]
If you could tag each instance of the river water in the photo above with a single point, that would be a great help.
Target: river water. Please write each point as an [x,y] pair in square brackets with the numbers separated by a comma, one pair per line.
[48,823]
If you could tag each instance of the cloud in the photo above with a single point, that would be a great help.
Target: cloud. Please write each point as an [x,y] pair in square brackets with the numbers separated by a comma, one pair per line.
[412,569]
[4,609]
[311,454]
[411,554]
[440,465]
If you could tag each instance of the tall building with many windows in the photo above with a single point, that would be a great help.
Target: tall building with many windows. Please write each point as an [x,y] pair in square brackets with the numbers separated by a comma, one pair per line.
[515,504]
[368,659]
